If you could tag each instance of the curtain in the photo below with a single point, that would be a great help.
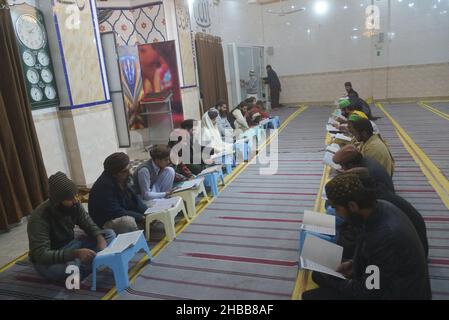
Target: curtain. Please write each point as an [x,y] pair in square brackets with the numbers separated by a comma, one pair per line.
[211,69]
[23,179]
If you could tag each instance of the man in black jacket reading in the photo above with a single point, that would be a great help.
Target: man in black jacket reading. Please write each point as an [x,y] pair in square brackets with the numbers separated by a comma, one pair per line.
[388,243]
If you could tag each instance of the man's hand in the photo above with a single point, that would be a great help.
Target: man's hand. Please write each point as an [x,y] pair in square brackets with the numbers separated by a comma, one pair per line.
[345,269]
[85,255]
[169,193]
[101,242]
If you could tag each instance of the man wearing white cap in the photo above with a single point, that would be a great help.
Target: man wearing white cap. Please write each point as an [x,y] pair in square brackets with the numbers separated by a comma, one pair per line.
[252,85]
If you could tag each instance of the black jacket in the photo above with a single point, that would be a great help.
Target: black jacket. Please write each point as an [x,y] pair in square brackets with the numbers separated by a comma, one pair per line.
[273,80]
[414,216]
[107,201]
[389,241]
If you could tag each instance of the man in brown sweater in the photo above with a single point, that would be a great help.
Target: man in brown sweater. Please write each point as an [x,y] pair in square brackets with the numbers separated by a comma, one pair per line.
[51,235]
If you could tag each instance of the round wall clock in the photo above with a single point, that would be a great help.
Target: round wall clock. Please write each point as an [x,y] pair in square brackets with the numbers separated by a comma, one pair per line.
[32,76]
[30,32]
[43,58]
[46,75]
[34,50]
[36,94]
[50,92]
[28,58]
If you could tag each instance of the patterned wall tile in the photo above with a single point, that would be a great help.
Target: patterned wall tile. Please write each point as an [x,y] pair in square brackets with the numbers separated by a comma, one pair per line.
[135,26]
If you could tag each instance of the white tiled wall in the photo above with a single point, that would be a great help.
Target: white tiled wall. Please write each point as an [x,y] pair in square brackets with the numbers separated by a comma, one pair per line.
[394,83]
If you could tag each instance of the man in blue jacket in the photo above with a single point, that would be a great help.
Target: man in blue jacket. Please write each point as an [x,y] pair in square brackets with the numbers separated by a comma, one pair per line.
[112,202]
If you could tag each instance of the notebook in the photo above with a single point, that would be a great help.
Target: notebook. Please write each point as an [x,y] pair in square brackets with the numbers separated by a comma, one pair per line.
[160,205]
[121,243]
[321,256]
[318,222]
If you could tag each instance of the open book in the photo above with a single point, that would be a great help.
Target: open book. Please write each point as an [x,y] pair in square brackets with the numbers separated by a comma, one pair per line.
[121,243]
[333,122]
[160,205]
[343,137]
[321,256]
[187,185]
[216,168]
[318,222]
[331,128]
[329,155]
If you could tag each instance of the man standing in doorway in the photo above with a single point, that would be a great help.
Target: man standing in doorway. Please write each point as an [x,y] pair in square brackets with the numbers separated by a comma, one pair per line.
[275,86]
[252,85]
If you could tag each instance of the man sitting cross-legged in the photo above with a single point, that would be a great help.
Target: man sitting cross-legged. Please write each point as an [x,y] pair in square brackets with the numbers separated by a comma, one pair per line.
[388,243]
[51,233]
[112,202]
[154,178]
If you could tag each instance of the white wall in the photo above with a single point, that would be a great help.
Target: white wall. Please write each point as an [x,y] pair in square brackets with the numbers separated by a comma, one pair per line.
[310,50]
[421,36]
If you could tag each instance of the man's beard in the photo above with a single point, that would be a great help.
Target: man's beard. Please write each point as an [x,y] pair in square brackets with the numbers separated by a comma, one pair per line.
[69,211]
[223,114]
[355,219]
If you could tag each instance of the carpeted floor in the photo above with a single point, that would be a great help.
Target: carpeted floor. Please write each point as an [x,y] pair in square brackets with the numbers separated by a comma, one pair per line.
[245,244]
[413,185]
[428,130]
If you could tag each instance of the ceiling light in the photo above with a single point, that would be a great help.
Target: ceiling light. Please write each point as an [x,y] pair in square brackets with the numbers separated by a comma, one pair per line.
[321,7]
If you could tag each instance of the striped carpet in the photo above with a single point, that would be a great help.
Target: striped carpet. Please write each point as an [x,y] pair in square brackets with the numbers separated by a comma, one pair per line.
[428,130]
[245,244]
[441,106]
[412,184]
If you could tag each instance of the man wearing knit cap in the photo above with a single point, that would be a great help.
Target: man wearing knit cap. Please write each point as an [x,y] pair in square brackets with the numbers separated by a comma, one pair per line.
[51,232]
[113,203]
[351,160]
[388,244]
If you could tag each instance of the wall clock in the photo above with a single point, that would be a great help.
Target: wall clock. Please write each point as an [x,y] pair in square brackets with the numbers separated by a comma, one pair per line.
[35,56]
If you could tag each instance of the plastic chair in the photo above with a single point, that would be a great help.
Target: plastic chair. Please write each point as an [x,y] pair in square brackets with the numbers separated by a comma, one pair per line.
[189,197]
[211,181]
[118,263]
[167,217]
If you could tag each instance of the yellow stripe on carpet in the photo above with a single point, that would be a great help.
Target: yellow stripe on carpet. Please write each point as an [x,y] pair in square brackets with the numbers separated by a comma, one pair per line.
[139,267]
[304,280]
[439,113]
[430,170]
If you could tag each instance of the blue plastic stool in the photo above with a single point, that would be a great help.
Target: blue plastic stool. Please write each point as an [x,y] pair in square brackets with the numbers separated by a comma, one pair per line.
[118,263]
[211,181]
[228,161]
[240,148]
[274,123]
